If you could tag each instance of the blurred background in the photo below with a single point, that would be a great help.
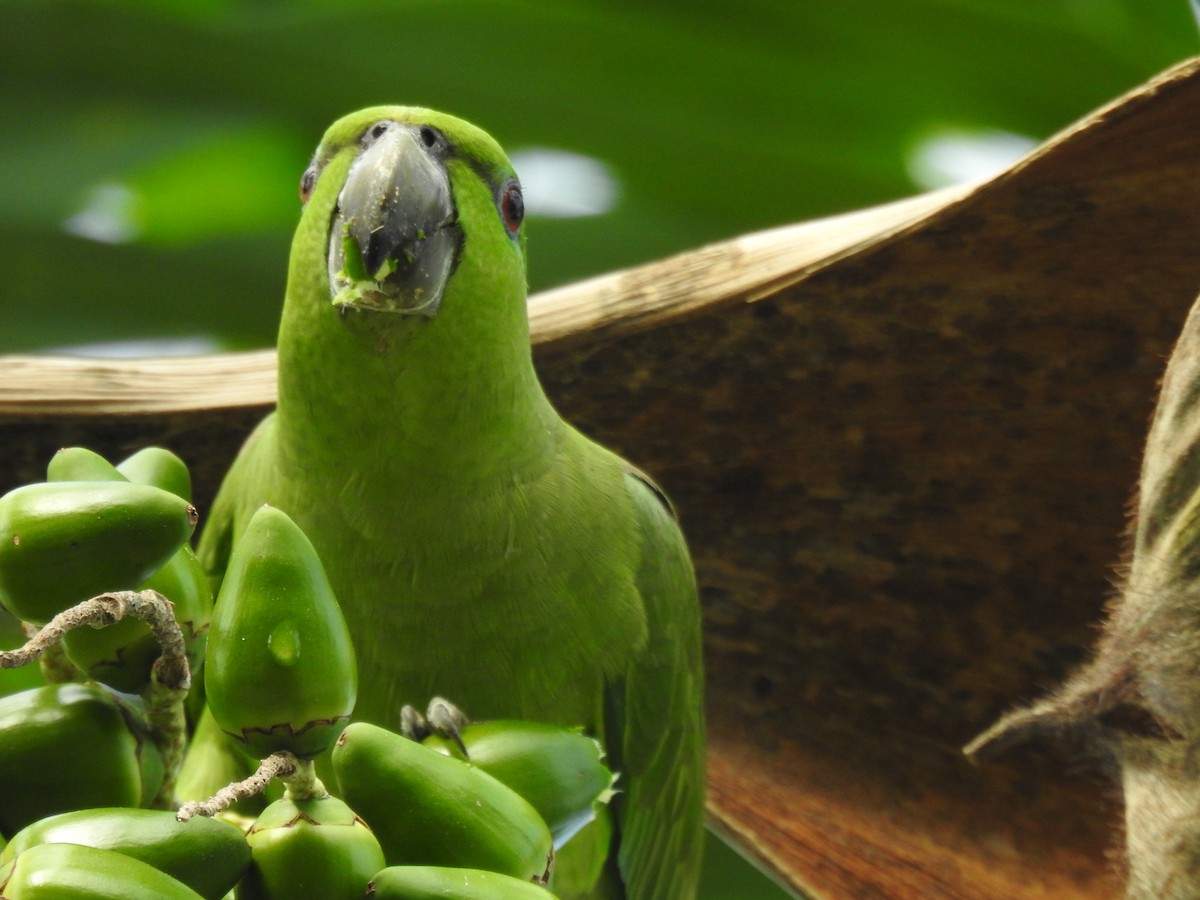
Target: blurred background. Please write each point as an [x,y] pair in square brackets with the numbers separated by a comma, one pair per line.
[152,148]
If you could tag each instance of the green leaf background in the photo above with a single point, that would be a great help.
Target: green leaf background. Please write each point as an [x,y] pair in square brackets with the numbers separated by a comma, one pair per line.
[181,126]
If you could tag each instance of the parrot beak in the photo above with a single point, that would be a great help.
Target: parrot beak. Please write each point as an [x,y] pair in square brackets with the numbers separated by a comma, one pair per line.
[394,240]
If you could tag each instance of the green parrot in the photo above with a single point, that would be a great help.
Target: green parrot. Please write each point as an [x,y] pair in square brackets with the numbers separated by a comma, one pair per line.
[481,548]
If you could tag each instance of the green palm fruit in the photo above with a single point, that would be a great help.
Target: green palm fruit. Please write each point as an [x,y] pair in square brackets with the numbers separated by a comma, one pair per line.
[428,808]
[122,654]
[75,872]
[81,464]
[182,579]
[13,681]
[71,746]
[159,467]
[280,671]
[208,855]
[560,771]
[163,469]
[63,542]
[443,883]
[310,848]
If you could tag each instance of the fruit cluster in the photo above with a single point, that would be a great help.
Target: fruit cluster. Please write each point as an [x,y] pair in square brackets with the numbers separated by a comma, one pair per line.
[99,743]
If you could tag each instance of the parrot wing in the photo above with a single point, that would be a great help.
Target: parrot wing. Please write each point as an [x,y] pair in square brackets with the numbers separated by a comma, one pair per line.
[656,725]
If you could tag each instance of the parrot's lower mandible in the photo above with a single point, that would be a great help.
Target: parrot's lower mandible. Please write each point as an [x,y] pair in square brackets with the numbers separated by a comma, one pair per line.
[482,549]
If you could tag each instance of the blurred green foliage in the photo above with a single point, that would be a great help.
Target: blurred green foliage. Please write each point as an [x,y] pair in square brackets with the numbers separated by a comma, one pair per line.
[173,132]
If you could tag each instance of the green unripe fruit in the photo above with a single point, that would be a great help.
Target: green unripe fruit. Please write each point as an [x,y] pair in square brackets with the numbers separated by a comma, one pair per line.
[443,883]
[560,771]
[81,464]
[23,678]
[70,746]
[183,581]
[310,848]
[122,654]
[161,468]
[428,808]
[74,872]
[63,542]
[208,855]
[13,681]
[280,671]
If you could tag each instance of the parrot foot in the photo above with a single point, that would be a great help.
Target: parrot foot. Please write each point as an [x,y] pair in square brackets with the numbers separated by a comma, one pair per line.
[442,718]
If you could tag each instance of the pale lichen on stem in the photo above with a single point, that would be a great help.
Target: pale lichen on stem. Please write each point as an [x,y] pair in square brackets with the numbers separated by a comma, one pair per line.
[107,609]
[299,777]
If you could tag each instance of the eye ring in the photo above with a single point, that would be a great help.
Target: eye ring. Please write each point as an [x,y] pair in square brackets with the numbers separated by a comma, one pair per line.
[307,182]
[512,207]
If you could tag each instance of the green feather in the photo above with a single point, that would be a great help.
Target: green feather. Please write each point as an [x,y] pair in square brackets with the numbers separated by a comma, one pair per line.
[481,548]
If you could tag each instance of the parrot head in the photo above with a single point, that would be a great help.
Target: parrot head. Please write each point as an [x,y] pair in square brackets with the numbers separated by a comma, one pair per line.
[403,209]
[406,292]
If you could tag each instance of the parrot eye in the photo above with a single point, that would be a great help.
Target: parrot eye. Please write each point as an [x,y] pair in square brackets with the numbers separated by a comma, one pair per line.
[307,182]
[512,208]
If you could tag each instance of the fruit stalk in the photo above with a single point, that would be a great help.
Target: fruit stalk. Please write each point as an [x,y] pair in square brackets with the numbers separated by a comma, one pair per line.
[56,666]
[303,783]
[171,676]
[107,609]
[278,765]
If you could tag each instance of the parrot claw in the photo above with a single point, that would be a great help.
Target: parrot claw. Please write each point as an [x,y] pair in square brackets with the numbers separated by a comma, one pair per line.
[442,718]
[412,724]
